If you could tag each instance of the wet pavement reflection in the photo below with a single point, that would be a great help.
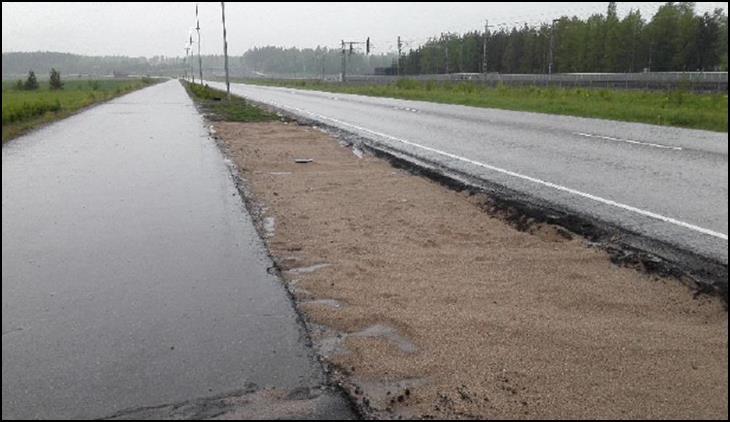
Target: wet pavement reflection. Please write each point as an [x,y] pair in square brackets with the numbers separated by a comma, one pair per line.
[131,273]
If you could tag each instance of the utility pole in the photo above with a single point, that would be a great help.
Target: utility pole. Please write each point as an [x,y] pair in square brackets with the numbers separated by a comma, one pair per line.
[461,57]
[197,28]
[185,63]
[484,47]
[323,58]
[400,44]
[344,53]
[552,43]
[344,63]
[192,54]
[225,50]
[633,48]
[651,47]
[447,56]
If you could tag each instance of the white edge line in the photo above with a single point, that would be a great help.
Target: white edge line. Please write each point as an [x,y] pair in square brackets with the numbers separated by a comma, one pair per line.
[521,176]
[629,141]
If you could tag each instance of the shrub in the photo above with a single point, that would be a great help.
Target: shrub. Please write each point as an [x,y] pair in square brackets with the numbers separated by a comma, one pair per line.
[205,92]
[55,81]
[407,84]
[31,84]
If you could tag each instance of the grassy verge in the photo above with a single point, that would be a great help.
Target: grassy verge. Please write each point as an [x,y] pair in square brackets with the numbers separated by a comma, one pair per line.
[216,107]
[24,111]
[674,108]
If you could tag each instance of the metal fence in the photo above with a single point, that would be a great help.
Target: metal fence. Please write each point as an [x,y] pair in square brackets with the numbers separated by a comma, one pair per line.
[695,81]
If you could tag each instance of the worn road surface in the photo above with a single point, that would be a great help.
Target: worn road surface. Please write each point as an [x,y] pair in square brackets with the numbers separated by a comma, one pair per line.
[132,276]
[665,184]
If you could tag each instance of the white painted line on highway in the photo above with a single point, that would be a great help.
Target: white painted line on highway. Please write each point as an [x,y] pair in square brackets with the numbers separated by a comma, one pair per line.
[639,211]
[412,110]
[629,141]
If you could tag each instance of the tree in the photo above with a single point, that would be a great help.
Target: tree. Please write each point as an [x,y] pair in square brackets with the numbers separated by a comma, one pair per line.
[55,82]
[709,39]
[687,57]
[632,27]
[722,44]
[31,83]
[675,38]
[613,46]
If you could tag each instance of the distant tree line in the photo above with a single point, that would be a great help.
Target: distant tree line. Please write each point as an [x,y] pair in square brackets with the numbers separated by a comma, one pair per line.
[305,62]
[18,63]
[675,39]
[310,61]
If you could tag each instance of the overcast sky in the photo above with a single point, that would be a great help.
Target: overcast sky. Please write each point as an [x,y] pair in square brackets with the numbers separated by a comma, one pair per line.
[149,29]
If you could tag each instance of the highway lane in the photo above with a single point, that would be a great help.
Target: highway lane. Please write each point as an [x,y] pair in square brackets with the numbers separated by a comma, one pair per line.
[664,183]
[132,274]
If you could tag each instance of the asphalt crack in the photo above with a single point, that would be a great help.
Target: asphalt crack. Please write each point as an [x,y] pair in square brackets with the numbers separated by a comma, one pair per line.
[250,402]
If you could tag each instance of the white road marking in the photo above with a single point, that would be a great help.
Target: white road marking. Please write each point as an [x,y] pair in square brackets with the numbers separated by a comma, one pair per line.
[561,188]
[412,110]
[629,141]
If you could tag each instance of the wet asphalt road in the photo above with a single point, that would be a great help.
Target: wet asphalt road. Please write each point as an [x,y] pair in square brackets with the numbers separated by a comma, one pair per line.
[663,183]
[131,273]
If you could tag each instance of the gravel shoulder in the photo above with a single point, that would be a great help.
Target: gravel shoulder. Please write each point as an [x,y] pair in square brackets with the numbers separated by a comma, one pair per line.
[426,305]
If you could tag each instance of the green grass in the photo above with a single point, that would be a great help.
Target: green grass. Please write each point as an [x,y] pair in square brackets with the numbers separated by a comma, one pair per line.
[214,104]
[673,108]
[27,110]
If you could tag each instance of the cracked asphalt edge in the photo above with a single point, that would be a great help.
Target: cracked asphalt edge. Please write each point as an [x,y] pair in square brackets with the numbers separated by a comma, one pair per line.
[250,402]
[334,381]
